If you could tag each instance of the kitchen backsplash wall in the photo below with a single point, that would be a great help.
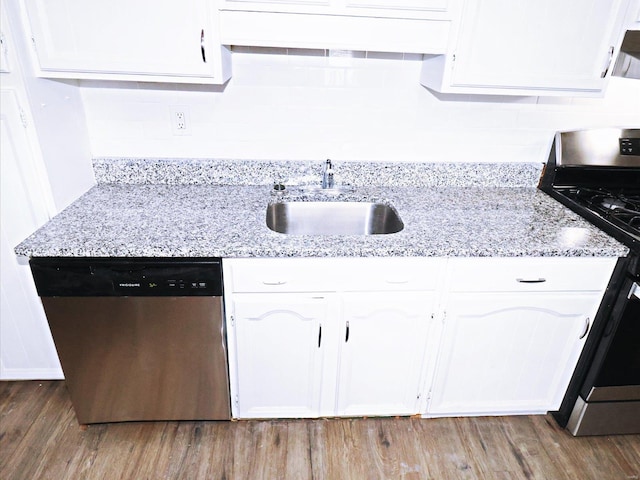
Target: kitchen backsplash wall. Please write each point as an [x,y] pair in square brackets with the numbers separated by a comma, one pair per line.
[312,105]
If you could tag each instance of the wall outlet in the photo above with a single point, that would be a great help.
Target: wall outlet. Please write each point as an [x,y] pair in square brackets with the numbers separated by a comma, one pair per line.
[180,120]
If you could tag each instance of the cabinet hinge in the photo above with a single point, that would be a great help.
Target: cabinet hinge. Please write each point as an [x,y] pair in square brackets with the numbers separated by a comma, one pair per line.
[236,400]
[23,118]
[233,321]
[3,45]
[33,43]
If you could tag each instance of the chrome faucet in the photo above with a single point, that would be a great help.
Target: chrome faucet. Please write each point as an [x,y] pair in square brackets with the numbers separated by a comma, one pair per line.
[327,175]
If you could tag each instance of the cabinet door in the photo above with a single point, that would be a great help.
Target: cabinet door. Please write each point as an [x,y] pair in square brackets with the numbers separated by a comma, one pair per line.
[548,44]
[509,353]
[140,37]
[279,354]
[26,347]
[381,362]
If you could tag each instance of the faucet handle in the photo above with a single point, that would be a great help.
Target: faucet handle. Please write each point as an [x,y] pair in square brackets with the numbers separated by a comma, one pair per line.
[279,184]
[327,175]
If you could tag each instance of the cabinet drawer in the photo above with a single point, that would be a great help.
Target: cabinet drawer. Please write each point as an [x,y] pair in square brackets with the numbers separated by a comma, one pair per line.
[332,274]
[529,274]
[390,274]
[280,275]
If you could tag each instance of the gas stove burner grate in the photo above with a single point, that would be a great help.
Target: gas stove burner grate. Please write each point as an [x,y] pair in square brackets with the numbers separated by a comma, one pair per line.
[612,203]
[622,207]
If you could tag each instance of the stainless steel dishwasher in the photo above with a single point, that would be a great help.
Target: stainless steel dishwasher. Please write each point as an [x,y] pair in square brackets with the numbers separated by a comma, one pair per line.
[138,339]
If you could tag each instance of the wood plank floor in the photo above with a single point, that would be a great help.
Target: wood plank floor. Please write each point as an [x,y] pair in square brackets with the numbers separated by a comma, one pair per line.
[40,438]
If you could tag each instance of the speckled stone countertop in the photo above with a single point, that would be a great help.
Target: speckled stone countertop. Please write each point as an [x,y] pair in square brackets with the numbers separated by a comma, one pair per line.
[467,210]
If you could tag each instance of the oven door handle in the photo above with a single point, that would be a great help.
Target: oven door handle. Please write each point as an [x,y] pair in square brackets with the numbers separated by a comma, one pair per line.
[587,325]
[634,292]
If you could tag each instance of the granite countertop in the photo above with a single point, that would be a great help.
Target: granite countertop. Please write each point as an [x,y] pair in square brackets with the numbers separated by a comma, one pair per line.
[124,216]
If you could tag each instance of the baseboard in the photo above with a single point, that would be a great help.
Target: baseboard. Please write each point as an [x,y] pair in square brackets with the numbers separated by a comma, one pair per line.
[31,374]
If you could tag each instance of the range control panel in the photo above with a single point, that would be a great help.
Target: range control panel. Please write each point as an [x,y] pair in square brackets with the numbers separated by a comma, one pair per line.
[630,146]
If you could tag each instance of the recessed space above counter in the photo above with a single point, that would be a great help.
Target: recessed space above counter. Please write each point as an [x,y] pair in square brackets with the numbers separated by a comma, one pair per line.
[416,26]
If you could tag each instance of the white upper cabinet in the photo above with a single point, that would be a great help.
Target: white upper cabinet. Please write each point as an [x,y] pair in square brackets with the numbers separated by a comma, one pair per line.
[128,40]
[416,26]
[548,47]
[415,5]
[380,8]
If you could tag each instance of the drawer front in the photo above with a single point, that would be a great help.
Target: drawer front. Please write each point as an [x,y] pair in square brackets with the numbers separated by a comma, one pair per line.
[279,275]
[529,274]
[332,274]
[390,274]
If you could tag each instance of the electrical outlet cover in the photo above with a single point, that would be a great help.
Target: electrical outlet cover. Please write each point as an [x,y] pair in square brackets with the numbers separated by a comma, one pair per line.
[180,120]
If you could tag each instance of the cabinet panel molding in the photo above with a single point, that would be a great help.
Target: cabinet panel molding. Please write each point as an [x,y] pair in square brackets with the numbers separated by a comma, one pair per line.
[279,363]
[509,352]
[383,352]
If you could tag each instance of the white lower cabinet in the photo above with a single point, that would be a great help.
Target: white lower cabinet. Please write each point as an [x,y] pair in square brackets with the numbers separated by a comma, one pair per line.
[513,329]
[329,337]
[509,352]
[374,337]
[382,356]
[279,366]
[311,355]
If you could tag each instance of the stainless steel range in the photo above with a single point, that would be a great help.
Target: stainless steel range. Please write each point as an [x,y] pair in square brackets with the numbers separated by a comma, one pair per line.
[596,173]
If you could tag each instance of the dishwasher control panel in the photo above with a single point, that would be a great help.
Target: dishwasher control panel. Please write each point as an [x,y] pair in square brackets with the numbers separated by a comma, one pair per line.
[127,277]
[154,280]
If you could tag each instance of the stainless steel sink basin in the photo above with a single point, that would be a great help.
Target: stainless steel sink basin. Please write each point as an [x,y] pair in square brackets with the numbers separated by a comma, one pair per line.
[333,218]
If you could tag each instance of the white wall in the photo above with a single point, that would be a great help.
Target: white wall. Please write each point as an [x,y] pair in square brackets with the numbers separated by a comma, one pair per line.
[55,110]
[304,105]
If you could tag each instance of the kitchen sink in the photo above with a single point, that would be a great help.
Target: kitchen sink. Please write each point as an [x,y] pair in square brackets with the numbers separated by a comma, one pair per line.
[333,218]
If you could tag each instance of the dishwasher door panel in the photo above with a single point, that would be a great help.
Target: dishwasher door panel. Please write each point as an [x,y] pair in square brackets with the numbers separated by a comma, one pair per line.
[142,358]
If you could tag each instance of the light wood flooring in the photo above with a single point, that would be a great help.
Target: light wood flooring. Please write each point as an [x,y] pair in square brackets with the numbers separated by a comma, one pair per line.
[40,438]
